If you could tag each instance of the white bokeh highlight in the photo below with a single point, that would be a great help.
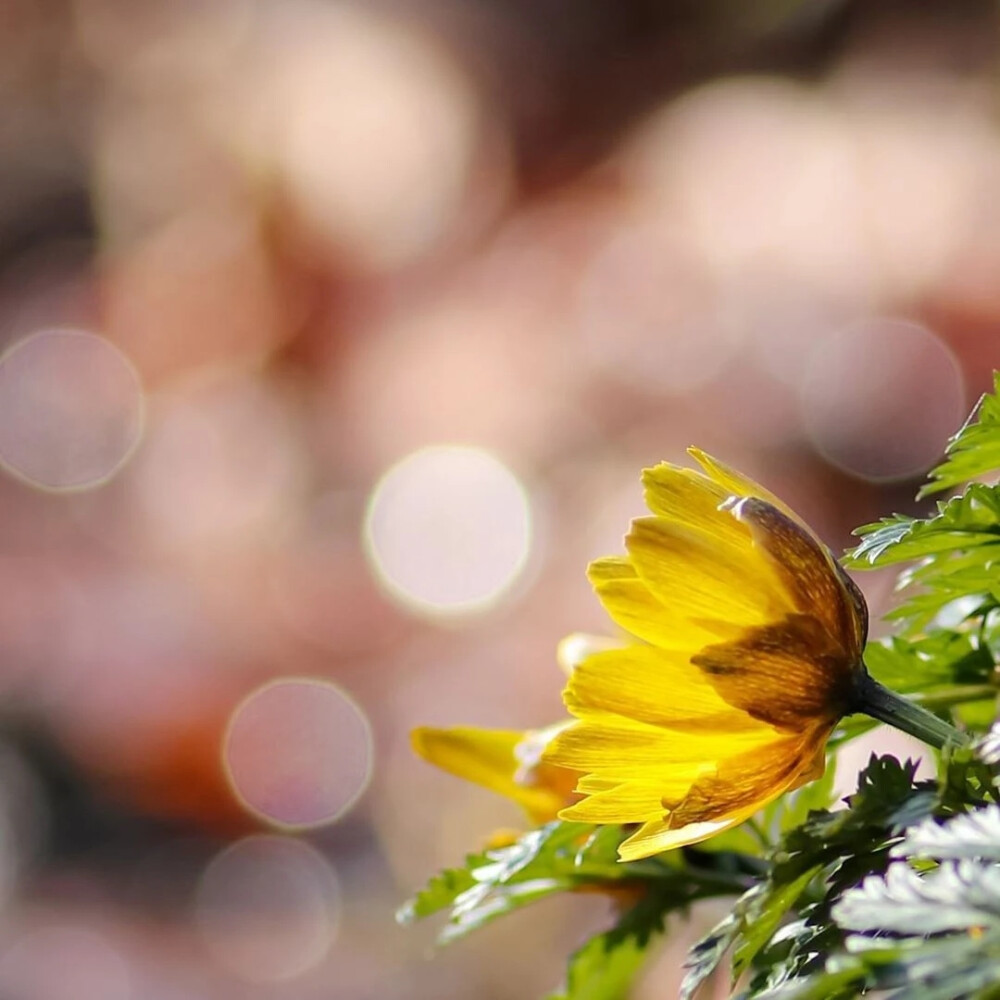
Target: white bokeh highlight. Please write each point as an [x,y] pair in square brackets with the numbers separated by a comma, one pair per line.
[63,960]
[880,397]
[267,908]
[71,410]
[448,530]
[298,752]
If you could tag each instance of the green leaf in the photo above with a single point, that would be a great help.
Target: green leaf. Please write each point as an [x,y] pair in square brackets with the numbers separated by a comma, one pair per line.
[549,859]
[948,968]
[603,969]
[971,835]
[964,781]
[878,538]
[706,955]
[831,852]
[538,864]
[955,896]
[763,916]
[440,892]
[887,799]
[558,857]
[947,590]
[971,519]
[836,984]
[975,449]
[941,658]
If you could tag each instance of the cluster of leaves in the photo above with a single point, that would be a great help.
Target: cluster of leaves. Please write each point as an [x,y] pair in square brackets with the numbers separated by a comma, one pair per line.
[896,890]
[561,857]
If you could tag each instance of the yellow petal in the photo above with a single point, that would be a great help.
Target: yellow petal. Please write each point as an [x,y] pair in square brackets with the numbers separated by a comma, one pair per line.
[749,780]
[731,794]
[695,576]
[740,485]
[614,747]
[658,686]
[809,572]
[689,498]
[631,605]
[576,647]
[627,802]
[656,836]
[590,784]
[489,757]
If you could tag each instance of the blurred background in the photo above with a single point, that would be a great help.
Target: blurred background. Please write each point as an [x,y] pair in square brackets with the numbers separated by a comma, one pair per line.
[334,337]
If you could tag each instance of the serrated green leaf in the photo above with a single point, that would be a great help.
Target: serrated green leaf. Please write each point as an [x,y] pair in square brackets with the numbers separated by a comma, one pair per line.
[835,985]
[484,902]
[840,848]
[763,916]
[440,892]
[958,981]
[948,592]
[964,781]
[965,521]
[878,538]
[539,863]
[554,858]
[900,665]
[707,953]
[554,842]
[752,921]
[974,834]
[957,966]
[941,658]
[954,896]
[974,450]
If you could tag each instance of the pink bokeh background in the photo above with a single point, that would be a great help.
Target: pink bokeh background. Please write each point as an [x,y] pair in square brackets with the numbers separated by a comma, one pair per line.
[333,337]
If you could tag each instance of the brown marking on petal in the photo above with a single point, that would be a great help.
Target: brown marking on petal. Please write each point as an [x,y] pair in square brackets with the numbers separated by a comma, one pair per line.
[857,600]
[712,799]
[788,674]
[809,572]
[750,779]
[720,669]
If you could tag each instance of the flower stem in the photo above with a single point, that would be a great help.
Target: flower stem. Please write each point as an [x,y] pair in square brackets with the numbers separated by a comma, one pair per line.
[880,703]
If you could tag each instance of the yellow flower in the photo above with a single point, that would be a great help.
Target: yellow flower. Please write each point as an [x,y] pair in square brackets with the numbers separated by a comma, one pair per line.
[747,651]
[750,653]
[505,761]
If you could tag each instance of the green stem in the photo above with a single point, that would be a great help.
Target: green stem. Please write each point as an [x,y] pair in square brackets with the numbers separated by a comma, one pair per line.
[758,831]
[880,703]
